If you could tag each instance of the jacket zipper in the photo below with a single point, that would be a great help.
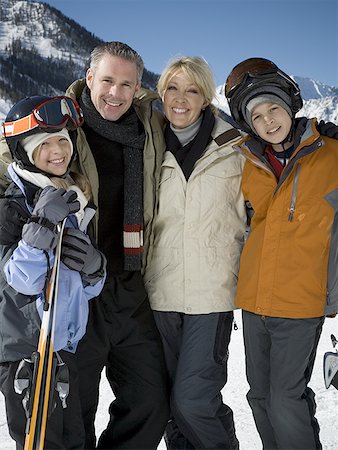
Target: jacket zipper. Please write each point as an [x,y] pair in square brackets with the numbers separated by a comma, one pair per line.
[294,194]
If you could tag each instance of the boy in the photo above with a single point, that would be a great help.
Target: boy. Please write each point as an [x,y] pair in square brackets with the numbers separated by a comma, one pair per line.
[288,280]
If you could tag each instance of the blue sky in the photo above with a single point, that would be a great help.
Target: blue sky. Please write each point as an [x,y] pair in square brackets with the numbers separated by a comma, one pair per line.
[301,36]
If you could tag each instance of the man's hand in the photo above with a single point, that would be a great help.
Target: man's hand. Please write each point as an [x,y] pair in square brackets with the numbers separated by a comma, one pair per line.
[328,129]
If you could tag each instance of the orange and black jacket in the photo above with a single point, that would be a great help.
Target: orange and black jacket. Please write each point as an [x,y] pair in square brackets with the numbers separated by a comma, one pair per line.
[289,264]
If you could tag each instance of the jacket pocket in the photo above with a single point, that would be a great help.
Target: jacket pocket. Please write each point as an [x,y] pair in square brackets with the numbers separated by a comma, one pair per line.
[222,338]
[154,276]
[222,188]
[332,278]
[166,174]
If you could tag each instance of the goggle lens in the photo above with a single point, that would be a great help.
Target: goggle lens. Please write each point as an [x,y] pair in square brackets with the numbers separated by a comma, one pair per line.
[57,113]
[253,67]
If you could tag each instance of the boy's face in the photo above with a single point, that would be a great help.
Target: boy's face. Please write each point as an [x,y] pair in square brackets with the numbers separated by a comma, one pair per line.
[272,123]
[53,155]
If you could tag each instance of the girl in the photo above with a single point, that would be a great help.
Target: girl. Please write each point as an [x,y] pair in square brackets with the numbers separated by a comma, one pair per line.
[45,192]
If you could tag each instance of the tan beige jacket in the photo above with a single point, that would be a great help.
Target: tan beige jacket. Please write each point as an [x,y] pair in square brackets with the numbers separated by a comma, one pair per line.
[199,230]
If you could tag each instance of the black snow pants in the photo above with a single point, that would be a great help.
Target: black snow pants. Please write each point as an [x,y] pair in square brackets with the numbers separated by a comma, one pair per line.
[122,337]
[196,351]
[280,354]
[64,425]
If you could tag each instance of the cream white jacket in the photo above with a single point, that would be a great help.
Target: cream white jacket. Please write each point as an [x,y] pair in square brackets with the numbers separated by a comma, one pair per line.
[199,230]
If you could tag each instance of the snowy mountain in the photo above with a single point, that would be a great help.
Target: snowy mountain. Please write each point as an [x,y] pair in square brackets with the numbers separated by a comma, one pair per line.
[314,89]
[43,51]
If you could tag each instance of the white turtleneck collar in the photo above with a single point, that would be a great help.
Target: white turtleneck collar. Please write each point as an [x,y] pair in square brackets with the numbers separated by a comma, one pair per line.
[185,135]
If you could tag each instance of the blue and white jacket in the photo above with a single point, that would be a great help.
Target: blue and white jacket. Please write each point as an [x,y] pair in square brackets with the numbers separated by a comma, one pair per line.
[23,271]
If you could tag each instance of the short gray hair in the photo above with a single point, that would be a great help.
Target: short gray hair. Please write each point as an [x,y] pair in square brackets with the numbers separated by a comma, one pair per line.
[119,49]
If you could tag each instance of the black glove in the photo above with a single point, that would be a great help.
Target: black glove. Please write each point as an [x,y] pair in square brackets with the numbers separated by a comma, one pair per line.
[12,219]
[78,253]
[328,129]
[52,207]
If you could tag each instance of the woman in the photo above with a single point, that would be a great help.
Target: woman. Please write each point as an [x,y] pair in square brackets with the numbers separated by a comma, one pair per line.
[199,232]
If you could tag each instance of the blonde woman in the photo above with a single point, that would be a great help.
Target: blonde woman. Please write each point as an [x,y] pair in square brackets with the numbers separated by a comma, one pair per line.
[199,233]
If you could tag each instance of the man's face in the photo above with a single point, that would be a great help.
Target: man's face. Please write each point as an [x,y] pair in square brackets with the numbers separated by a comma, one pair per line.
[113,84]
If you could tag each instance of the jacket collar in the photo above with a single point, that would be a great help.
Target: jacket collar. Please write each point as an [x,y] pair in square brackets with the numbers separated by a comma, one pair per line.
[216,149]
[307,140]
[306,134]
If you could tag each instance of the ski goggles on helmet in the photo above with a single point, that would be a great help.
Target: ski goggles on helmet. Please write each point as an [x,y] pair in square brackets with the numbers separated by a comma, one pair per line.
[252,67]
[55,113]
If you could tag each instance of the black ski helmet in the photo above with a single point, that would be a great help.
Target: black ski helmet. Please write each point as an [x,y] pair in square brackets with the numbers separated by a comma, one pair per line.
[255,77]
[23,109]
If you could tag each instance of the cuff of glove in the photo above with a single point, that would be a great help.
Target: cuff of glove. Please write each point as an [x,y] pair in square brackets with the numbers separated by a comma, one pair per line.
[39,236]
[42,221]
[93,278]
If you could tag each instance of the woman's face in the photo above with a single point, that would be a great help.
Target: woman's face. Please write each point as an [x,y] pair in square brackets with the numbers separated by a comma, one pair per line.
[182,101]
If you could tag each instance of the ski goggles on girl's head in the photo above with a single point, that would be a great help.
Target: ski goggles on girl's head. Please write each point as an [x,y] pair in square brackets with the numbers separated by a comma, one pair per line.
[55,113]
[253,67]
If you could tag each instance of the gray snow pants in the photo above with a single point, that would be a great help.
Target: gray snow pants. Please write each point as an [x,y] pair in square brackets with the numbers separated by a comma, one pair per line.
[280,354]
[196,354]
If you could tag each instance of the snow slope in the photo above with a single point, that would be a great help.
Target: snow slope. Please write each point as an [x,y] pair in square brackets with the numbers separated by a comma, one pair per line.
[234,393]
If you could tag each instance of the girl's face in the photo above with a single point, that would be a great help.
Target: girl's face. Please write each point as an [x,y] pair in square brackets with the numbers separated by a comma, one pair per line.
[53,155]
[272,123]
[182,101]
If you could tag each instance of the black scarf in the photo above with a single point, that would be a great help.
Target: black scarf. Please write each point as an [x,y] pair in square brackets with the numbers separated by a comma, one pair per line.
[127,131]
[187,155]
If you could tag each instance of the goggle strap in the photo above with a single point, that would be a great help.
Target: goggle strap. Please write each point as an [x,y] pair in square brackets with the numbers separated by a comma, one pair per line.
[20,126]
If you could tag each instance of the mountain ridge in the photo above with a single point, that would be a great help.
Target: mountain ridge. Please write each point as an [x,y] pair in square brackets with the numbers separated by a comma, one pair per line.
[42,51]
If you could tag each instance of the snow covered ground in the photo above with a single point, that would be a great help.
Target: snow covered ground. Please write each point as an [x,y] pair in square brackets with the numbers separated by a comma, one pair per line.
[234,393]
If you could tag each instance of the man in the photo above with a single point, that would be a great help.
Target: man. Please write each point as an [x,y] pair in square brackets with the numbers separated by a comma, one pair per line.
[120,149]
[120,146]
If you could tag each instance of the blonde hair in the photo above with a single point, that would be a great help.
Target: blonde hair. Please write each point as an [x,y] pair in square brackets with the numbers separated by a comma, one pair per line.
[74,178]
[197,70]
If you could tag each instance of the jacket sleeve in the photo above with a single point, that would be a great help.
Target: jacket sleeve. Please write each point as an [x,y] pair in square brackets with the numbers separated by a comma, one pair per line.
[5,161]
[92,291]
[26,270]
